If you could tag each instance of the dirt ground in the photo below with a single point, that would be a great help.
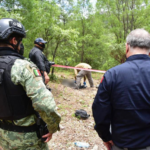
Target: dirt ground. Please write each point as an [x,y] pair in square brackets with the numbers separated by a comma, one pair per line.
[73,129]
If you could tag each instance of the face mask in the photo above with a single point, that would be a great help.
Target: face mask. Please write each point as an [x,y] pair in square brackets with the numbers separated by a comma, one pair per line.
[21,52]
[42,45]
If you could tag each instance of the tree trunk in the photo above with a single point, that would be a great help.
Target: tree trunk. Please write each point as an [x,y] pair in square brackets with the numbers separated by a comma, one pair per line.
[54,55]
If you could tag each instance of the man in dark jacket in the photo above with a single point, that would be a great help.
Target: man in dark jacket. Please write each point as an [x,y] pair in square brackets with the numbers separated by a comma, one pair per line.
[37,56]
[123,98]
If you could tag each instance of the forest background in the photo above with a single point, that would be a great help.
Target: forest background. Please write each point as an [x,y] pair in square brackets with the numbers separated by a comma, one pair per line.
[91,31]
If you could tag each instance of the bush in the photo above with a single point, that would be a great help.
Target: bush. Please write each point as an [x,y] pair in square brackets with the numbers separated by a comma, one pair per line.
[53,78]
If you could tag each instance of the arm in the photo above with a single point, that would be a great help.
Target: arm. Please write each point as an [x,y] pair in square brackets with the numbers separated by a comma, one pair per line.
[46,77]
[102,108]
[43,102]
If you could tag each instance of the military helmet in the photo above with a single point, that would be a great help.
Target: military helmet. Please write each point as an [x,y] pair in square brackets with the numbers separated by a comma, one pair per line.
[10,26]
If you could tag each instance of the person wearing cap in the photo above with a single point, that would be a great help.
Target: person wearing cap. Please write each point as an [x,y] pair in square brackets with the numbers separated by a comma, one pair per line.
[24,98]
[79,74]
[122,101]
[37,56]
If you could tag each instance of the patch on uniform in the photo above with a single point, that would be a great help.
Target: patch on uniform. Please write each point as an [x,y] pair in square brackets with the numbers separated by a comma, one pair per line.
[102,79]
[37,73]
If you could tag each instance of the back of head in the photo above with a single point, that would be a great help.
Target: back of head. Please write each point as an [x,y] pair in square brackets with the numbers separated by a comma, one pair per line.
[139,38]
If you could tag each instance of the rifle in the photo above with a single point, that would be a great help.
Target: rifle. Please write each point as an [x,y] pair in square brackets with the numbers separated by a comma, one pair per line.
[51,63]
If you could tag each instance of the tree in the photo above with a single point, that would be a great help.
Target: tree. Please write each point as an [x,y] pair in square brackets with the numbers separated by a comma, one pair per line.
[121,16]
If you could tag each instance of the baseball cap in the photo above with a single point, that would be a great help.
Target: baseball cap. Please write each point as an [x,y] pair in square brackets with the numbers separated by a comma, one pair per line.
[40,40]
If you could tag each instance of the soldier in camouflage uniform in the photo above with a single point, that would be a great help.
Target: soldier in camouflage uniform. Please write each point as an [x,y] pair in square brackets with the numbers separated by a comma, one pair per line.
[18,127]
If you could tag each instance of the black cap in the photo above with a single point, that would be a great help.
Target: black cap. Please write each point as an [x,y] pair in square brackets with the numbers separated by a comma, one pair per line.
[40,40]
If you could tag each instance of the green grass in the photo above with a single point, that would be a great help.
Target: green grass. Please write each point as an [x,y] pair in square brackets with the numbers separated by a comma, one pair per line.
[97,76]
[64,107]
[82,102]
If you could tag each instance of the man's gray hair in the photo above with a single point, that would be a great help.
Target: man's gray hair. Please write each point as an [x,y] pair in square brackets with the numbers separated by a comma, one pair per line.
[139,38]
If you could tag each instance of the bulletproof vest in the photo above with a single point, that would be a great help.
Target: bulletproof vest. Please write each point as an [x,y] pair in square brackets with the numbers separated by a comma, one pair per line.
[14,103]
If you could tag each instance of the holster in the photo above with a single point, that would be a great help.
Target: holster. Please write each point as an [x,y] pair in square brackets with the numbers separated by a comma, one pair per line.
[42,128]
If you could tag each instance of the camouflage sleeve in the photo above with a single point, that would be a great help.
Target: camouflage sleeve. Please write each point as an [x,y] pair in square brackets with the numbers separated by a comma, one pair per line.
[23,72]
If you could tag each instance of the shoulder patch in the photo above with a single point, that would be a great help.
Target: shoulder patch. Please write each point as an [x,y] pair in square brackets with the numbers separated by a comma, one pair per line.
[37,73]
[102,79]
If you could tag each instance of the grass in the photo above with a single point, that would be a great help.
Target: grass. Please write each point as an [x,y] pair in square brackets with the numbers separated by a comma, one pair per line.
[82,102]
[60,95]
[78,117]
[97,76]
[64,107]
[85,105]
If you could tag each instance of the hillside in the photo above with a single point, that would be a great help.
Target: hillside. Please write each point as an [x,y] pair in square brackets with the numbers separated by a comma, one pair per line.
[73,129]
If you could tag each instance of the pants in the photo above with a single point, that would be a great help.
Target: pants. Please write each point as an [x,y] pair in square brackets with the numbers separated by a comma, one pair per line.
[81,74]
[20,141]
[117,148]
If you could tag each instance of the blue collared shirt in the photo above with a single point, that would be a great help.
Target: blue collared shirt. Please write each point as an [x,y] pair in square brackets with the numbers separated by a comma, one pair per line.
[123,101]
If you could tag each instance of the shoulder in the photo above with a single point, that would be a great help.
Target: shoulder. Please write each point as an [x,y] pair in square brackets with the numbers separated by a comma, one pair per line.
[119,68]
[35,50]
[21,63]
[22,70]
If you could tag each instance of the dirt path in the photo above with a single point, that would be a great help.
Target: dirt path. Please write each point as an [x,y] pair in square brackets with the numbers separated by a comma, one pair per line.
[68,100]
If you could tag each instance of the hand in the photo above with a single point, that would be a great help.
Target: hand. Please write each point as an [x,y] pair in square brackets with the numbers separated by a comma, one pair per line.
[46,79]
[48,136]
[109,144]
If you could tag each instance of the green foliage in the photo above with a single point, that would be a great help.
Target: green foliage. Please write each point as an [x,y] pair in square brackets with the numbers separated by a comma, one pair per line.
[76,31]
[53,78]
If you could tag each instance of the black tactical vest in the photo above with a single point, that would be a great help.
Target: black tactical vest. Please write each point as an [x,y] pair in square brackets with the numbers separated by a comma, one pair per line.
[14,103]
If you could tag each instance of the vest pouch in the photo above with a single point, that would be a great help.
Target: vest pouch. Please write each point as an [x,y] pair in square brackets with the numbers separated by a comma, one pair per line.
[4,105]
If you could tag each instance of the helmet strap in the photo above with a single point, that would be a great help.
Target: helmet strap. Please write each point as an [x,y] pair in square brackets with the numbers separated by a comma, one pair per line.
[15,46]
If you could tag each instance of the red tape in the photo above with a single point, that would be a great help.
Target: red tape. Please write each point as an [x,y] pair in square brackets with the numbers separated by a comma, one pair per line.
[69,67]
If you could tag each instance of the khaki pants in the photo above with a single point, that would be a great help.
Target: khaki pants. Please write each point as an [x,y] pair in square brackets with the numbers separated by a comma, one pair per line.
[117,148]
[81,74]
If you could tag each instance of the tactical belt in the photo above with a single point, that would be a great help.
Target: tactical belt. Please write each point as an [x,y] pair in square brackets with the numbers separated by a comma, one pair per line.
[11,127]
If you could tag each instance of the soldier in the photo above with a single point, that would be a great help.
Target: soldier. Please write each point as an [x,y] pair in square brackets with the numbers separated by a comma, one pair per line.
[22,93]
[37,56]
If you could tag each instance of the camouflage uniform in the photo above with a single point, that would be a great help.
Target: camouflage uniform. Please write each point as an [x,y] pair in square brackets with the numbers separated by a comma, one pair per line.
[42,101]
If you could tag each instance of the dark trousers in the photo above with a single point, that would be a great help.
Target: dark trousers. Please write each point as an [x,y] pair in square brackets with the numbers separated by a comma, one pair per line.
[117,148]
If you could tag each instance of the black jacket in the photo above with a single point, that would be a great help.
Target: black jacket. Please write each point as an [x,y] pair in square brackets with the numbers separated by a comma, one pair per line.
[123,101]
[39,59]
